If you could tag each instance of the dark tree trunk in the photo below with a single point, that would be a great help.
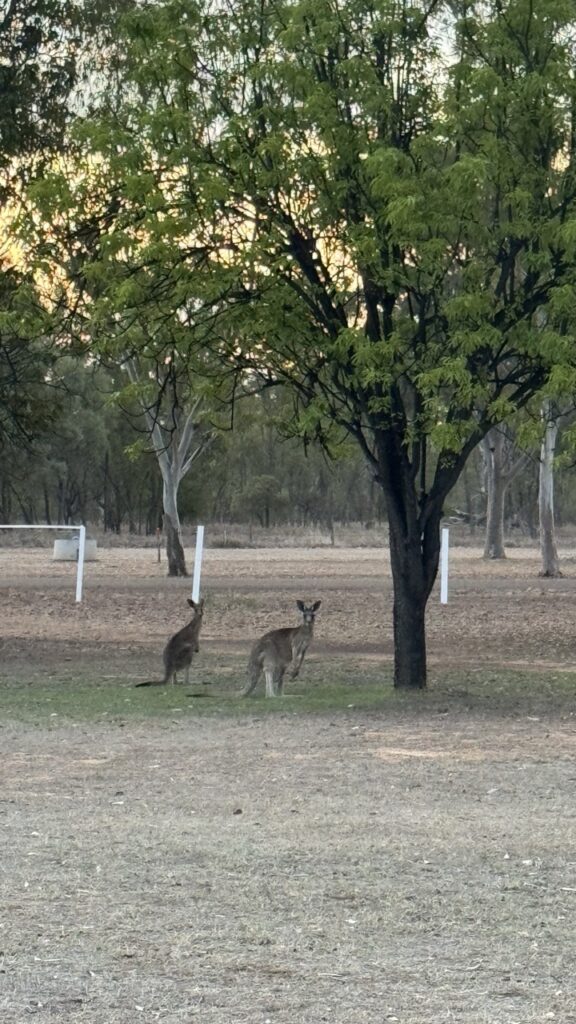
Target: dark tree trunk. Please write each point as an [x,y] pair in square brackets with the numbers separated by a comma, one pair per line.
[414,539]
[153,516]
[46,505]
[106,492]
[25,508]
[409,614]
[414,565]
[60,493]
[6,511]
[174,550]
[469,502]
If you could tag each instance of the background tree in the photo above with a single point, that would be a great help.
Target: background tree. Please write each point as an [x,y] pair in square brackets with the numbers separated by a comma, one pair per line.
[261,475]
[557,419]
[77,470]
[177,429]
[548,549]
[45,46]
[503,462]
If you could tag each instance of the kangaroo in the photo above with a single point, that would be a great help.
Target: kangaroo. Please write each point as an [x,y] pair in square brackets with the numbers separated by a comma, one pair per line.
[180,648]
[278,650]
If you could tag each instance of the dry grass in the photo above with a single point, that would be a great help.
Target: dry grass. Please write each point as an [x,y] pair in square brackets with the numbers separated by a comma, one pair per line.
[293,870]
[413,862]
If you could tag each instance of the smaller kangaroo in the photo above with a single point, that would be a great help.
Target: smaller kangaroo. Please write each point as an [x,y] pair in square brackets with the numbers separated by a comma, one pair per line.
[280,649]
[180,648]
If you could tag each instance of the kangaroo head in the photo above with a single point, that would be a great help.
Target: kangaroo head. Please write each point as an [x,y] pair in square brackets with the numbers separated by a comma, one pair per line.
[308,611]
[198,608]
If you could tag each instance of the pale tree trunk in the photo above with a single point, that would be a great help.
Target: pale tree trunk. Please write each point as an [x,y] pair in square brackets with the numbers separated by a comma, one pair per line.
[549,553]
[496,494]
[171,521]
[176,447]
[501,467]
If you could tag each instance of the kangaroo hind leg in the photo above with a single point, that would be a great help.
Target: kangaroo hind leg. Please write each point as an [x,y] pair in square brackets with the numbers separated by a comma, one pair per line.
[279,681]
[269,675]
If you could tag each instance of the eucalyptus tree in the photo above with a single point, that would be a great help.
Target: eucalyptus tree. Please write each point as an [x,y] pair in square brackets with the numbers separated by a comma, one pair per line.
[178,433]
[373,200]
[548,548]
[504,460]
[68,210]
[557,419]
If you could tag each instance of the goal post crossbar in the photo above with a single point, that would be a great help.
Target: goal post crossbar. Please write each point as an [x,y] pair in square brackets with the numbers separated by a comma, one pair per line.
[81,547]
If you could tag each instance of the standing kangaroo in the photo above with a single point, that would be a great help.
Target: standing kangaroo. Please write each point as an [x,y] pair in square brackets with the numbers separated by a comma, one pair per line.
[280,649]
[180,648]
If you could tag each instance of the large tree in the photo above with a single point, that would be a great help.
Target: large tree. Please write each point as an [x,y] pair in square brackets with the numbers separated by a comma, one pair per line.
[47,71]
[375,199]
[178,432]
[33,111]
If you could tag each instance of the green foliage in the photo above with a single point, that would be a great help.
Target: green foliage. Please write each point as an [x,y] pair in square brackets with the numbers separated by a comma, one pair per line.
[43,46]
[349,218]
[28,398]
[36,75]
[256,475]
[371,202]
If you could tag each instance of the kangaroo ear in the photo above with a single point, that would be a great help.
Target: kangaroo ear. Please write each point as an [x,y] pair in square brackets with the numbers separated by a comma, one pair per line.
[191,602]
[316,606]
[300,605]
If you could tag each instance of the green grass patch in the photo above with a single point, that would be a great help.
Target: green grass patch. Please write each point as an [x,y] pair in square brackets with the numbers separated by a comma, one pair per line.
[324,688]
[79,699]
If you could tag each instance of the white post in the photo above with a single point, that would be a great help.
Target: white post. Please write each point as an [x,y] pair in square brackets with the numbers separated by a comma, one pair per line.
[444,566]
[197,563]
[80,570]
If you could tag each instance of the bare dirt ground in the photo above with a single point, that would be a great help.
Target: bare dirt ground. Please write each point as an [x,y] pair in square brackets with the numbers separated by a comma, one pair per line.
[415,863]
[499,612]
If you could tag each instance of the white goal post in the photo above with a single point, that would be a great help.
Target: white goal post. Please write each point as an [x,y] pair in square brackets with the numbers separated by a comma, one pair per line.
[81,547]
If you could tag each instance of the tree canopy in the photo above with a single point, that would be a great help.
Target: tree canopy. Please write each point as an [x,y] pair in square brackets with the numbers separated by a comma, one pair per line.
[370,201]
[42,48]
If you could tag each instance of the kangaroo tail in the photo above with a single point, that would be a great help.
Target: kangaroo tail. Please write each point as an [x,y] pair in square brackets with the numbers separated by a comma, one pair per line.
[151,682]
[254,670]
